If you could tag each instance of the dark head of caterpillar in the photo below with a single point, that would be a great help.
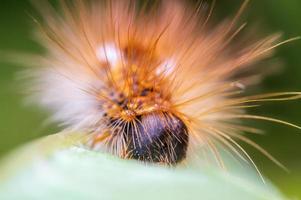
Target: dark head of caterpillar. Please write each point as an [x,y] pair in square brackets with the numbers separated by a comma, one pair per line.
[150,83]
[160,137]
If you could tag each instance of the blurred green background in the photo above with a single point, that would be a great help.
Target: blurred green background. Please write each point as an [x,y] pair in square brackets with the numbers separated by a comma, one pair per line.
[20,123]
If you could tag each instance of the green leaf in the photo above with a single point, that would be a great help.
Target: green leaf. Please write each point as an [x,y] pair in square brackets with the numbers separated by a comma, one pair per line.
[55,168]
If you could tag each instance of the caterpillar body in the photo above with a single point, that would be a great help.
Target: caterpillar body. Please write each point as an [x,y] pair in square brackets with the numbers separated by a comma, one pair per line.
[150,83]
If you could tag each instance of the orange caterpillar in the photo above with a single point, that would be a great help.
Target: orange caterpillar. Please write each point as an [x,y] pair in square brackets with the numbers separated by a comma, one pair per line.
[149,82]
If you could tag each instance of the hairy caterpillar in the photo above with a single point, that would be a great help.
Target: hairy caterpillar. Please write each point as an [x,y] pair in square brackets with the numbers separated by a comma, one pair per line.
[149,82]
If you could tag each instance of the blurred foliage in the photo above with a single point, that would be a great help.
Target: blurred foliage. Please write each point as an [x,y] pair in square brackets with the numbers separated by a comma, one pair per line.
[19,123]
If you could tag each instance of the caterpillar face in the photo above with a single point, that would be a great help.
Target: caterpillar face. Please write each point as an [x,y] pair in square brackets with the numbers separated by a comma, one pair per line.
[152,83]
[155,137]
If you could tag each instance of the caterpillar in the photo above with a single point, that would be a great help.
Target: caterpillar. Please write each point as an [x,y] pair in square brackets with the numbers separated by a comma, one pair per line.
[150,81]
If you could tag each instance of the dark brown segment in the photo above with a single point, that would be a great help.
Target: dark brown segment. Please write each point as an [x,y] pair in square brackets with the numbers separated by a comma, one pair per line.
[157,138]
